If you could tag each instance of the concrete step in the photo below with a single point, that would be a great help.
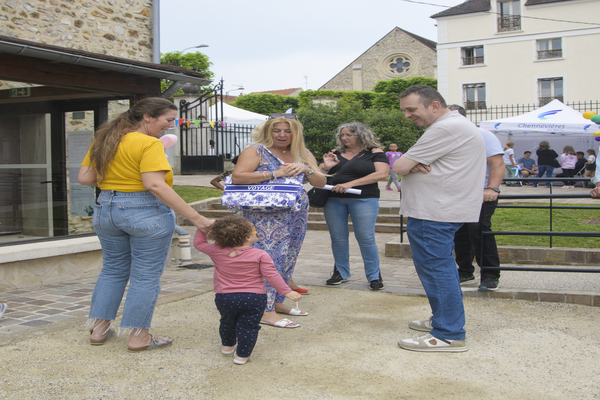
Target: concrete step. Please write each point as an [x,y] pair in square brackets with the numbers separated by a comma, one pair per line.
[381,218]
[379,227]
[559,256]
[388,220]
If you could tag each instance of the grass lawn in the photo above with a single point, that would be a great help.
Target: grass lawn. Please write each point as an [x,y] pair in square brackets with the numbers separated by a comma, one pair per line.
[194,193]
[512,219]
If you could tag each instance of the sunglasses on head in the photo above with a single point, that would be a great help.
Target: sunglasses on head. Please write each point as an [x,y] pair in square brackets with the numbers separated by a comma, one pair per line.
[286,115]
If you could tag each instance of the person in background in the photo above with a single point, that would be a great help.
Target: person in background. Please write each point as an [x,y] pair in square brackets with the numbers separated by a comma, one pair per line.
[358,163]
[279,151]
[590,165]
[546,162]
[393,155]
[580,166]
[468,239]
[216,182]
[238,282]
[567,161]
[509,162]
[133,219]
[528,167]
[439,196]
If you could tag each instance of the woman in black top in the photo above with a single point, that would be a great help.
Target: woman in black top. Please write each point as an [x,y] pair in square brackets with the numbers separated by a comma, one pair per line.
[359,163]
[546,161]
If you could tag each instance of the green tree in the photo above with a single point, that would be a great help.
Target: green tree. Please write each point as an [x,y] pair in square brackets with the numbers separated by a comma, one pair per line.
[365,98]
[266,103]
[389,90]
[196,62]
[320,122]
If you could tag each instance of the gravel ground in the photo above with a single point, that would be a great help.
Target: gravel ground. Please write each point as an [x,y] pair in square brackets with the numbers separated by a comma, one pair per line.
[346,348]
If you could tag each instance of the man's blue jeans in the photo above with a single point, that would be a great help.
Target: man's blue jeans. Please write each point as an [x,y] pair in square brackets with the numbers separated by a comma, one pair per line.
[364,214]
[431,244]
[135,230]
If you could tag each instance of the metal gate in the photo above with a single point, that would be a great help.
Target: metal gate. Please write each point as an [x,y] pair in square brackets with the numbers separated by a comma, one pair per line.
[201,133]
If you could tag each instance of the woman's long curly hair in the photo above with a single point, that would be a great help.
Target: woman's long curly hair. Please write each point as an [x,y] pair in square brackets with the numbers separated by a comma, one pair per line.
[366,137]
[230,231]
[109,134]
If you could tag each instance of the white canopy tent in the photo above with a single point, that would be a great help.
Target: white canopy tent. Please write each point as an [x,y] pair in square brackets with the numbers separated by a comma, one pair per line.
[555,122]
[238,125]
[234,115]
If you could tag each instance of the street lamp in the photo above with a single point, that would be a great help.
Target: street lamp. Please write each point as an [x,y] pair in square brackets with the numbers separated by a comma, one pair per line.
[194,47]
[233,90]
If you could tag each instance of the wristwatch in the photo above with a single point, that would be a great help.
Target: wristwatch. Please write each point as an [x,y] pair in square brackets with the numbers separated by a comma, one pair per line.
[497,190]
[310,173]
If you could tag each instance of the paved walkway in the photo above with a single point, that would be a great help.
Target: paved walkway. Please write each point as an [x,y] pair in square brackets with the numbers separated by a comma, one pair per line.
[30,308]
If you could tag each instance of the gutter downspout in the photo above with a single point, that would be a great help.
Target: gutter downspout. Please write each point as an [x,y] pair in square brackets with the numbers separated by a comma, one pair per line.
[156,31]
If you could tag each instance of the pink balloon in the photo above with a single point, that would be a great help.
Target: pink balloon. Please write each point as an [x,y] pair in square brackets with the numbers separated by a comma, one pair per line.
[168,140]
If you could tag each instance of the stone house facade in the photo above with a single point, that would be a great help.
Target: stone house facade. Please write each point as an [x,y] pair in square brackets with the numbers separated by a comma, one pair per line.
[121,28]
[399,54]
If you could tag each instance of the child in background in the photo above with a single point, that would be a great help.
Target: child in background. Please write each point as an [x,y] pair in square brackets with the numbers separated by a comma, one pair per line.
[509,162]
[567,161]
[216,182]
[590,165]
[238,283]
[393,155]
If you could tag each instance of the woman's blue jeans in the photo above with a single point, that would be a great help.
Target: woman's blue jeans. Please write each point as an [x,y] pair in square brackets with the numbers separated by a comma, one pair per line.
[364,214]
[431,244]
[541,169]
[135,230]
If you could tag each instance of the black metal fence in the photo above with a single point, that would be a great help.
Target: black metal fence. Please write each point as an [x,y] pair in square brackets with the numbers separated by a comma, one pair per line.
[207,141]
[550,233]
[235,138]
[506,111]
[201,136]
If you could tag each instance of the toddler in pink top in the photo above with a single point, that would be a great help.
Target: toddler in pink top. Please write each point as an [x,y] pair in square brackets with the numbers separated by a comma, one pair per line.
[238,282]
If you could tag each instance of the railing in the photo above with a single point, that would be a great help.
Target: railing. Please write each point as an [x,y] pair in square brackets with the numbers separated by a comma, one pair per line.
[545,54]
[475,105]
[549,233]
[509,23]
[546,100]
[472,60]
[477,115]
[235,138]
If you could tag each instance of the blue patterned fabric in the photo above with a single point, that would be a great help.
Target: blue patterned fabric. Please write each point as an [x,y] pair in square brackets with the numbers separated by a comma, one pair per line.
[280,234]
[285,193]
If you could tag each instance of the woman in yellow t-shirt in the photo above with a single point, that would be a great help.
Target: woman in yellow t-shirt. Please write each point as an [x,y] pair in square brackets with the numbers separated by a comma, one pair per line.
[133,218]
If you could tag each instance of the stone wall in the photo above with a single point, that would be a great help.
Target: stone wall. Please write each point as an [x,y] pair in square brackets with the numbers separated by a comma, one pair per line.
[373,65]
[120,28]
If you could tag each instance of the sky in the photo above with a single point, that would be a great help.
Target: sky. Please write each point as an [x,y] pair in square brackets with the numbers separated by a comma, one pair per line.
[272,44]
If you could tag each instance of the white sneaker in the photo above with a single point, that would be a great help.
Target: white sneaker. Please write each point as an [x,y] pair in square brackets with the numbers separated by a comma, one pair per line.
[3,308]
[431,344]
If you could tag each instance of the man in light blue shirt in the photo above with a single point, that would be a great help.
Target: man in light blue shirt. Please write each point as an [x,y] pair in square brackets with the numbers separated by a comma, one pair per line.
[467,239]
[528,165]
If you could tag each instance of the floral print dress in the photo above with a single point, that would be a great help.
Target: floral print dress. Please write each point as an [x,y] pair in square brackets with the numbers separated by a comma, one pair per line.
[280,234]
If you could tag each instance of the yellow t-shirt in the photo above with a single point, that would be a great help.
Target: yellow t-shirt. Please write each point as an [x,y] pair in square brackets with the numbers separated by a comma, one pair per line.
[137,153]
